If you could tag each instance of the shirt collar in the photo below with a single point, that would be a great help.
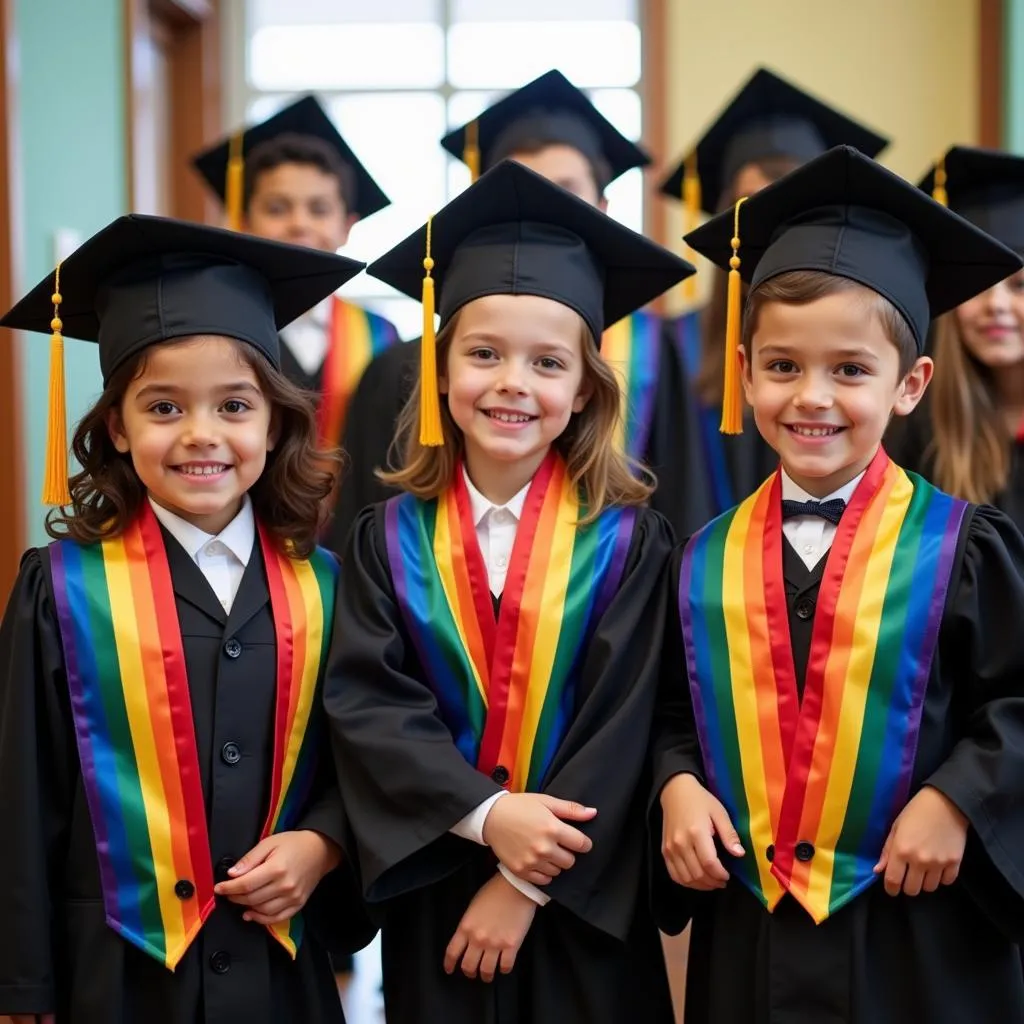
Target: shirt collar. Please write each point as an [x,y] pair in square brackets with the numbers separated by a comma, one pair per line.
[481,506]
[238,536]
[794,492]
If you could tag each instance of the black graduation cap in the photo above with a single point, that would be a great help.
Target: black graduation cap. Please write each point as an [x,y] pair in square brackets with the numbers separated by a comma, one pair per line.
[143,280]
[767,117]
[304,117]
[549,109]
[846,215]
[515,233]
[986,187]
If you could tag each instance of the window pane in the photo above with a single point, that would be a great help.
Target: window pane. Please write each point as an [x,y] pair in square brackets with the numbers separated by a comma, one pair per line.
[545,10]
[464,106]
[623,108]
[626,199]
[347,56]
[503,55]
[325,12]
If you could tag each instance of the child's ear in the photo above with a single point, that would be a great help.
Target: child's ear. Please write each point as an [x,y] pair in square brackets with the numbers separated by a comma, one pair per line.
[913,387]
[746,375]
[115,428]
[583,396]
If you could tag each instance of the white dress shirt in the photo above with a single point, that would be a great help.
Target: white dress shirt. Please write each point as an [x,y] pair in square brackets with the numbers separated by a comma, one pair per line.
[307,337]
[496,527]
[811,536]
[222,558]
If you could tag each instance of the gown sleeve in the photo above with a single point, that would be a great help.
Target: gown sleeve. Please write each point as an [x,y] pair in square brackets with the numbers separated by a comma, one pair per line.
[602,762]
[370,422]
[981,652]
[403,781]
[38,770]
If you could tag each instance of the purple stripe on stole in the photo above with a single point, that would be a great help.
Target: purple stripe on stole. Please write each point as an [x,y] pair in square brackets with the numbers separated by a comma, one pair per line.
[613,577]
[929,641]
[686,622]
[79,702]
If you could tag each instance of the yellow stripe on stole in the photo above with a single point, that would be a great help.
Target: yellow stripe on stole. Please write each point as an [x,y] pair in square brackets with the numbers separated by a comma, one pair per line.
[303,592]
[545,644]
[741,669]
[446,507]
[358,350]
[615,351]
[125,622]
[854,699]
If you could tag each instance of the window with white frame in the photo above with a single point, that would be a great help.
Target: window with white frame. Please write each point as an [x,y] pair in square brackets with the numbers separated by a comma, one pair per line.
[398,74]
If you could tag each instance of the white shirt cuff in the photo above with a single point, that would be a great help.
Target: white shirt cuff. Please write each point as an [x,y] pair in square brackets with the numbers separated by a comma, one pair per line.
[472,825]
[535,894]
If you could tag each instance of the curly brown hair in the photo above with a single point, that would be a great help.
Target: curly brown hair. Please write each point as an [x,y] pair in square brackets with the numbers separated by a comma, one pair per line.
[289,500]
[604,474]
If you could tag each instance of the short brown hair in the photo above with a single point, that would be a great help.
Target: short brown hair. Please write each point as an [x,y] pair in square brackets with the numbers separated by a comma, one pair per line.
[799,287]
[289,499]
[604,474]
[299,149]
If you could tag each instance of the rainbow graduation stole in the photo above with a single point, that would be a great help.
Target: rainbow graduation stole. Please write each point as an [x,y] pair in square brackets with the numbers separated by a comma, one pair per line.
[357,336]
[813,786]
[633,348]
[506,688]
[133,722]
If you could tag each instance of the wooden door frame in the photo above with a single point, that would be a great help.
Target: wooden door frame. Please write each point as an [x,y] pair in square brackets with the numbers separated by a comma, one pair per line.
[195,74]
[12,447]
[991,68]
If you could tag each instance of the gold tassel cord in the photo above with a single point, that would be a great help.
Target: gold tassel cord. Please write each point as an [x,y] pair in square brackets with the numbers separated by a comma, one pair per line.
[234,187]
[939,193]
[692,202]
[55,476]
[431,432]
[732,391]
[471,150]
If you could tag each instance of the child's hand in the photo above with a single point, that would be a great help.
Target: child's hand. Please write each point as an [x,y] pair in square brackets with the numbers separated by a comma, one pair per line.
[527,834]
[491,930]
[693,817]
[276,877]
[925,845]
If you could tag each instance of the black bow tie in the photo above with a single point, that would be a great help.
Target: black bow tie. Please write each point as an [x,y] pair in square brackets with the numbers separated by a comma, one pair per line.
[831,511]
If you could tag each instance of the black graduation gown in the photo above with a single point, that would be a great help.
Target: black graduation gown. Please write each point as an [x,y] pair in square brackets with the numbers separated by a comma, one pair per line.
[56,950]
[673,445]
[947,957]
[909,442]
[592,954]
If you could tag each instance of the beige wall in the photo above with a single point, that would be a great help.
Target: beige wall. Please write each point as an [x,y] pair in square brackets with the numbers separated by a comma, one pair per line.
[907,68]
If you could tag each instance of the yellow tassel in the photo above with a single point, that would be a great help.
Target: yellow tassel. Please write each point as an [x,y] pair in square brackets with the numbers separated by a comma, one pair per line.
[471,151]
[234,187]
[55,476]
[692,203]
[431,431]
[939,193]
[732,391]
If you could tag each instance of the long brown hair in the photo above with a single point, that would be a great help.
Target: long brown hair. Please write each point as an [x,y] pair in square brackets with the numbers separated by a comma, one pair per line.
[970,447]
[709,382]
[603,473]
[289,498]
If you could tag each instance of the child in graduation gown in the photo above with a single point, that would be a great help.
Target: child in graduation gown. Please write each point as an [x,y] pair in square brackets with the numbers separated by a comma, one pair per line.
[161,661]
[490,685]
[293,178]
[967,436]
[839,750]
[768,128]
[554,129]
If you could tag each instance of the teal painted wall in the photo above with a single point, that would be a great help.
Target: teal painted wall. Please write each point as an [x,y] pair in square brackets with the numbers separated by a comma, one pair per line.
[72,147]
[1013,107]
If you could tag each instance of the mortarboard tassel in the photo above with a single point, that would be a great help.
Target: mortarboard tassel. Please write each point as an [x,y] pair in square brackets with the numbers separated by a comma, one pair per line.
[471,151]
[234,186]
[55,476]
[431,432]
[939,193]
[732,392]
[691,206]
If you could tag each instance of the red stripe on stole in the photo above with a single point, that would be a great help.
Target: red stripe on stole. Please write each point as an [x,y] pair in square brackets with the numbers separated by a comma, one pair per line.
[792,817]
[471,581]
[508,650]
[147,555]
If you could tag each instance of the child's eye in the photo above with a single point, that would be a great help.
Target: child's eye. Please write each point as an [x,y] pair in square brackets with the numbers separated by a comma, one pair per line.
[163,408]
[550,363]
[483,353]
[236,405]
[782,366]
[851,370]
